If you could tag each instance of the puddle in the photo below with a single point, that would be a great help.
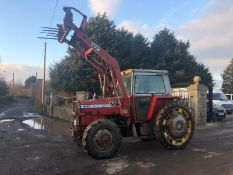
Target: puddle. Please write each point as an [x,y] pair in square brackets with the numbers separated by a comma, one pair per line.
[17,138]
[34,123]
[49,125]
[116,167]
[2,114]
[6,120]
[146,165]
[30,114]
[212,154]
[37,158]
[199,150]
[40,136]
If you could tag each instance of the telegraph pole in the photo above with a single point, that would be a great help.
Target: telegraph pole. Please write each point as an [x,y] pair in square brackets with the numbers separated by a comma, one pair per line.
[13,84]
[43,82]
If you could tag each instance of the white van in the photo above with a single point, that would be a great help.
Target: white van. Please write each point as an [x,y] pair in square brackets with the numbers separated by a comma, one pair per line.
[220,99]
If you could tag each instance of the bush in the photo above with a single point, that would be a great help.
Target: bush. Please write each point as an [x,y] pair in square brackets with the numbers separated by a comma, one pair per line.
[3,87]
[4,100]
[29,81]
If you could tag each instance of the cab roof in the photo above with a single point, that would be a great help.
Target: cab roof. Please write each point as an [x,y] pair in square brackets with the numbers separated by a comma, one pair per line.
[130,71]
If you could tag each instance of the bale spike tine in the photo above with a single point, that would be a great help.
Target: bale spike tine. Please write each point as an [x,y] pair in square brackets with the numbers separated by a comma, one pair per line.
[53,35]
[50,28]
[49,32]
[45,30]
[47,38]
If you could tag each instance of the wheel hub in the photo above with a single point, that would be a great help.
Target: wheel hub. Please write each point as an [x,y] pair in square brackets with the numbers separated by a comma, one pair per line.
[177,126]
[103,139]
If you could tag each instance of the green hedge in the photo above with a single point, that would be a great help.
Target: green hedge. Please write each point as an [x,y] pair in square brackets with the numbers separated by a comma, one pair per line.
[4,100]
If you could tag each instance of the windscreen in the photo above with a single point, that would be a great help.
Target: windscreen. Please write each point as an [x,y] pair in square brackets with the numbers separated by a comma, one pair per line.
[149,84]
[219,96]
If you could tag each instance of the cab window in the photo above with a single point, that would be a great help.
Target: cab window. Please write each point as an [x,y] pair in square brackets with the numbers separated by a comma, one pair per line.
[149,84]
[127,83]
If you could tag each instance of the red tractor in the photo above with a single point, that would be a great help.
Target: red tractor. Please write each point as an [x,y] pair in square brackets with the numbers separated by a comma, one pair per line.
[134,102]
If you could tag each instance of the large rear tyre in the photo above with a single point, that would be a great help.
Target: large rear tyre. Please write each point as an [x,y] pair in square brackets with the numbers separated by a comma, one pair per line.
[101,139]
[174,126]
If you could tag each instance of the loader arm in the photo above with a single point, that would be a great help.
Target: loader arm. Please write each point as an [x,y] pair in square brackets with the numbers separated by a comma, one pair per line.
[108,72]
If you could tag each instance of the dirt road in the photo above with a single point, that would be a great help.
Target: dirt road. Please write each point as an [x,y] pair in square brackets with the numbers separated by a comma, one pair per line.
[31,144]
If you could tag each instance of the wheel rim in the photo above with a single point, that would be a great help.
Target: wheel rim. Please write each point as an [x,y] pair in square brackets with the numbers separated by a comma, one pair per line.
[103,139]
[177,126]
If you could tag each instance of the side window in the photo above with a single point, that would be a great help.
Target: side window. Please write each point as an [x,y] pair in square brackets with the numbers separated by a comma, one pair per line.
[149,84]
[127,83]
[229,97]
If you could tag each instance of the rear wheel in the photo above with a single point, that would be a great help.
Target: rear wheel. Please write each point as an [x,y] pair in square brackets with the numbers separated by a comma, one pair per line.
[101,139]
[174,126]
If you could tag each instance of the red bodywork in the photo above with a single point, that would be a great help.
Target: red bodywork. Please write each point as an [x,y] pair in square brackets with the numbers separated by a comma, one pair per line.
[92,110]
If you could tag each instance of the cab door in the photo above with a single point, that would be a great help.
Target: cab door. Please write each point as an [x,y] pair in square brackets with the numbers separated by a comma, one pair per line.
[141,106]
[144,86]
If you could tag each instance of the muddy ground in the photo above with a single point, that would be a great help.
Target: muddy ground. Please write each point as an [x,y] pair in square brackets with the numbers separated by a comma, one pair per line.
[43,147]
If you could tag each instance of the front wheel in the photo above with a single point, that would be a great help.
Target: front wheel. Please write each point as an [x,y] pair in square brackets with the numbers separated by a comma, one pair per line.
[101,139]
[174,126]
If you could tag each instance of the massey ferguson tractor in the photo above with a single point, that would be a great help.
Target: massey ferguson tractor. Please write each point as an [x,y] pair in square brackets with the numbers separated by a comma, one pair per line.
[135,102]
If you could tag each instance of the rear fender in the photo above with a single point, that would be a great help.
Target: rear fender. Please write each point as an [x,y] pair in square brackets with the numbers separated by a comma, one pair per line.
[157,103]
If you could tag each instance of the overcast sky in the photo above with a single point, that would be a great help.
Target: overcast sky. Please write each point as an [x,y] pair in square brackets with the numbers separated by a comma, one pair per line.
[207,24]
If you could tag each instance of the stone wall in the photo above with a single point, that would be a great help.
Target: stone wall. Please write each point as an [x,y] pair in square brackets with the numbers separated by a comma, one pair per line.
[62,112]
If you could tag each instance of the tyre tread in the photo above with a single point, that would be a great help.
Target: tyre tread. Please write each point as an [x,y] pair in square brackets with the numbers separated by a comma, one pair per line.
[158,128]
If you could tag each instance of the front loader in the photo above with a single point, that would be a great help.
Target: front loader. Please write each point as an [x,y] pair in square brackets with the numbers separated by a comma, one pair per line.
[134,102]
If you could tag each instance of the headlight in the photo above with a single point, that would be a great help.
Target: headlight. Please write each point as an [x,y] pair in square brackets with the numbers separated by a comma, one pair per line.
[216,103]
[214,110]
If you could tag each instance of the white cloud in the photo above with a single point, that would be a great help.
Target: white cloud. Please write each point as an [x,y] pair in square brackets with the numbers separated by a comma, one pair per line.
[22,72]
[136,27]
[144,29]
[211,36]
[101,6]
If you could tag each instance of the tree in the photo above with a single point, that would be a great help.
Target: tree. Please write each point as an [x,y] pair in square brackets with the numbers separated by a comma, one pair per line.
[3,87]
[227,76]
[73,74]
[173,55]
[131,51]
[29,81]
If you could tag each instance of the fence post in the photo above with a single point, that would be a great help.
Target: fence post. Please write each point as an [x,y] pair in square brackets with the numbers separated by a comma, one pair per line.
[210,99]
[51,104]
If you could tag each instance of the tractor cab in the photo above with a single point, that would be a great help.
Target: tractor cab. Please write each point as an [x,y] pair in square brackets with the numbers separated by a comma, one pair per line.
[141,85]
[139,82]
